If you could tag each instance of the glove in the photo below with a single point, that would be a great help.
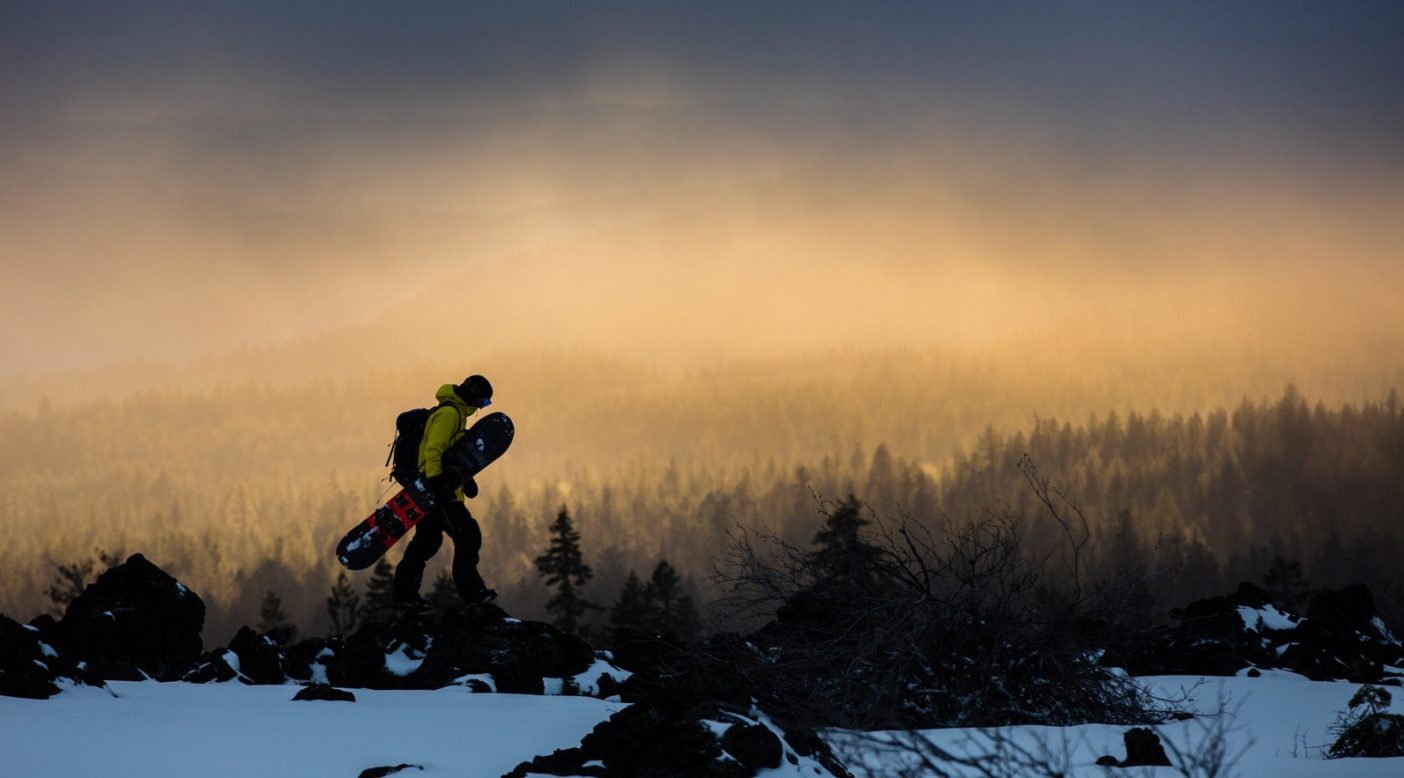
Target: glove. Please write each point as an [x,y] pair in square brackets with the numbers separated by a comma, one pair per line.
[442,487]
[470,488]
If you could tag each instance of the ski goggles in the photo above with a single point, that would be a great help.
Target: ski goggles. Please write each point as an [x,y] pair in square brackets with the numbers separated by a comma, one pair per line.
[483,403]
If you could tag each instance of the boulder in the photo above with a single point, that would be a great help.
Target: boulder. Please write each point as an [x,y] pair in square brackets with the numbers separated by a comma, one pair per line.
[261,658]
[308,661]
[414,652]
[32,668]
[219,666]
[753,745]
[321,691]
[134,616]
[646,739]
[1340,639]
[381,772]
[1143,749]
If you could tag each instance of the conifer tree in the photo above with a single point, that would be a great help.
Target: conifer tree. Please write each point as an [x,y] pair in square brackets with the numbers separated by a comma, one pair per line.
[1286,583]
[343,606]
[377,605]
[841,555]
[443,596]
[272,617]
[563,566]
[668,610]
[630,612]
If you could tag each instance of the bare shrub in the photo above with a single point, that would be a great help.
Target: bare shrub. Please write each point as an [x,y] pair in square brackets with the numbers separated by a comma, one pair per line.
[898,625]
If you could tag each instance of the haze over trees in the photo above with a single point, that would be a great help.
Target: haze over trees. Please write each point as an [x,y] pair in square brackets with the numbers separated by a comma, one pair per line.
[1208,498]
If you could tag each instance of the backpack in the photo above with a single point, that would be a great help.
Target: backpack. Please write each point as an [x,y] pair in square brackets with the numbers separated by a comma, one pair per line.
[404,449]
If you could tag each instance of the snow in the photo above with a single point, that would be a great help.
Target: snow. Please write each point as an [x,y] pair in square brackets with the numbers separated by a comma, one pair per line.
[177,729]
[588,682]
[1279,725]
[484,678]
[232,659]
[404,660]
[1266,617]
[319,666]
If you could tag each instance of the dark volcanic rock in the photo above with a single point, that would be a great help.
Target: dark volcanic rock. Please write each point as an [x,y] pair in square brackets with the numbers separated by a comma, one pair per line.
[321,691]
[135,615]
[692,713]
[309,660]
[753,745]
[1143,749]
[483,640]
[30,667]
[1351,609]
[645,739]
[381,772]
[1340,639]
[213,667]
[261,659]
[27,655]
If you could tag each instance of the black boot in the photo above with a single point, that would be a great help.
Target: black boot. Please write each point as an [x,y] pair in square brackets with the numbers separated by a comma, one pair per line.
[411,602]
[479,597]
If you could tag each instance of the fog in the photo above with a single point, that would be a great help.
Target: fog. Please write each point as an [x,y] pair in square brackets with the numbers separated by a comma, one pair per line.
[679,184]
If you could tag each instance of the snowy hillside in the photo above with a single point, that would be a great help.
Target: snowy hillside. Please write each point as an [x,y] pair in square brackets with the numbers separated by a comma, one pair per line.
[152,729]
[1275,726]
[122,686]
[229,729]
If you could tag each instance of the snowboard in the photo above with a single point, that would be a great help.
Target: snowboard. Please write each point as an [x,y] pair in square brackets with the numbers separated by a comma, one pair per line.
[368,541]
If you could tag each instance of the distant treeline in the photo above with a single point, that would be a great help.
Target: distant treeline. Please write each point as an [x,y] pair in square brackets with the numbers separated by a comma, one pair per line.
[1214,499]
[1209,499]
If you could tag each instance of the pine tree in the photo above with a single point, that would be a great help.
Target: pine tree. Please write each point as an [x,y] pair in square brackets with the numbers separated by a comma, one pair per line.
[377,605]
[669,611]
[563,566]
[1285,581]
[343,606]
[630,612]
[70,580]
[443,596]
[841,555]
[272,618]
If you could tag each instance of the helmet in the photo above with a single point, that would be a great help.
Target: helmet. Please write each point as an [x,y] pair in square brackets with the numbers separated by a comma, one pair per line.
[476,391]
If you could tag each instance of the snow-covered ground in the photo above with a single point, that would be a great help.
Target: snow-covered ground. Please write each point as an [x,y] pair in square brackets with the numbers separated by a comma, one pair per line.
[1276,726]
[177,729]
[1277,723]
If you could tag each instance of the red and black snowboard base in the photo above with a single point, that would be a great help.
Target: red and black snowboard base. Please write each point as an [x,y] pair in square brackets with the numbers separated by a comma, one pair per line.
[368,541]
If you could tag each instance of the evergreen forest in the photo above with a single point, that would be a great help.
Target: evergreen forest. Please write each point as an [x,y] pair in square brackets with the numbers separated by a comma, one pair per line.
[243,489]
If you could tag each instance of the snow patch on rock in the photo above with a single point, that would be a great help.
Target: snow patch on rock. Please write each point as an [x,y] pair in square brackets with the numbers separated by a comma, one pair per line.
[1266,617]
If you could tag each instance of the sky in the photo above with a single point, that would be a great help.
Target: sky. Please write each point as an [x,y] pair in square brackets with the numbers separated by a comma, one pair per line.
[182,179]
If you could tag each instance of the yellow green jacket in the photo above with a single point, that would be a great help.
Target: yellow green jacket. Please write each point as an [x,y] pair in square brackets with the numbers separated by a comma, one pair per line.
[445,426]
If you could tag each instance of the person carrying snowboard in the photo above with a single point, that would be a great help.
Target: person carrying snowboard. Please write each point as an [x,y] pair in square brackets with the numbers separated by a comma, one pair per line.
[444,427]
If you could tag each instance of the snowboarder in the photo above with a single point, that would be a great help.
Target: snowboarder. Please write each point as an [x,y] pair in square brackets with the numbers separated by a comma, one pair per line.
[443,428]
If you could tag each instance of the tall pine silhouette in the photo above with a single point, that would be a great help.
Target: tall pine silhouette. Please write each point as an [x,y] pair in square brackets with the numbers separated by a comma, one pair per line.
[343,606]
[377,605]
[841,556]
[563,566]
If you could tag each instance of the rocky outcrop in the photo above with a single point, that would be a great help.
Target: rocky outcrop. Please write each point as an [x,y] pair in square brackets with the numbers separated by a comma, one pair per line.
[521,657]
[135,621]
[1340,638]
[31,667]
[691,714]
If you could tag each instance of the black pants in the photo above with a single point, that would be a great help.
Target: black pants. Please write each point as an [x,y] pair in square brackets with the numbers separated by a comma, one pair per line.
[460,525]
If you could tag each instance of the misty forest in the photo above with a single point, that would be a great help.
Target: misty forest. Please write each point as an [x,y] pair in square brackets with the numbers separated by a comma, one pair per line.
[243,489]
